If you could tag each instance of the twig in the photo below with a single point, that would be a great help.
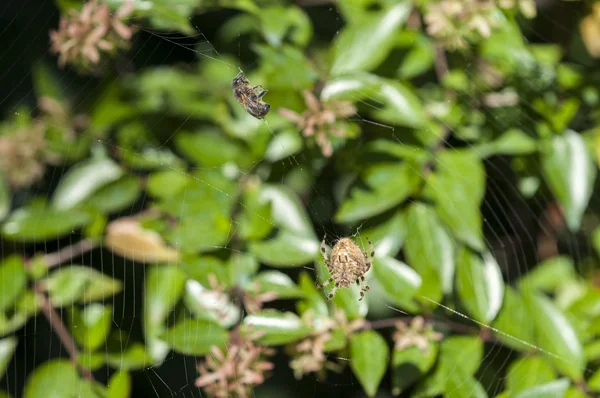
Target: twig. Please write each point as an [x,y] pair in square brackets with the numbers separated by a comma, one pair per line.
[441,70]
[61,331]
[69,252]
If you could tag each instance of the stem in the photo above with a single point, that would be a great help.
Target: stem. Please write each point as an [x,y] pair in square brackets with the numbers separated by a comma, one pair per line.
[61,331]
[441,70]
[70,252]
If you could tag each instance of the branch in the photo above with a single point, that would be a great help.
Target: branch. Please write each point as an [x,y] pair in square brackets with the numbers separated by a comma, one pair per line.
[441,70]
[61,331]
[69,252]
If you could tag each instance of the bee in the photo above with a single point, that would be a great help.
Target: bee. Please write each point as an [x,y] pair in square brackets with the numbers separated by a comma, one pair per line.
[246,94]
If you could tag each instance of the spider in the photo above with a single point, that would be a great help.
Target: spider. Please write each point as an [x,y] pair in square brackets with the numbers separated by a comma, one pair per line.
[348,263]
[245,94]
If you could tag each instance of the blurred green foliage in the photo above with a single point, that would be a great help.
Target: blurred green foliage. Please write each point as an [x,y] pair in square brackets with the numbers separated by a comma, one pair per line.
[460,119]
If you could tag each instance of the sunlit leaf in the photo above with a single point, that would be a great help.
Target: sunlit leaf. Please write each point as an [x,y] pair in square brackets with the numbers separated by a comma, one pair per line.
[459,173]
[396,103]
[364,45]
[528,372]
[7,349]
[13,279]
[164,287]
[276,327]
[555,335]
[195,337]
[512,142]
[286,249]
[53,379]
[570,173]
[389,184]
[400,282]
[91,325]
[550,274]
[210,305]
[479,284]
[119,385]
[82,180]
[278,283]
[43,223]
[553,389]
[429,249]
[514,321]
[116,196]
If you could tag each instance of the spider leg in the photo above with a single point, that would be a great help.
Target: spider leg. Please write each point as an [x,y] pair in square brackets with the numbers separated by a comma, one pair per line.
[322,285]
[372,249]
[332,293]
[323,251]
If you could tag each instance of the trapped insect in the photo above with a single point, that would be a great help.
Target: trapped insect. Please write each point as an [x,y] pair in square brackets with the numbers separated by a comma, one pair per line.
[245,93]
[347,264]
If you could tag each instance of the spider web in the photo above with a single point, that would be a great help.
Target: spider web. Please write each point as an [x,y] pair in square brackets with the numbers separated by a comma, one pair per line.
[507,236]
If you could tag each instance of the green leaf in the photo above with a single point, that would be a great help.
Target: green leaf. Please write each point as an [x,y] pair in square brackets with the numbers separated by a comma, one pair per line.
[115,196]
[570,173]
[53,379]
[418,60]
[459,358]
[195,337]
[5,196]
[164,184]
[593,383]
[347,301]
[287,211]
[409,365]
[90,326]
[396,103]
[200,147]
[164,287]
[554,389]
[512,142]
[283,144]
[390,184]
[35,223]
[13,280]
[550,275]
[72,283]
[119,385]
[134,357]
[210,305]
[82,180]
[555,335]
[528,372]
[276,22]
[278,283]
[215,232]
[277,327]
[459,172]
[241,267]
[255,217]
[399,282]
[387,235]
[7,349]
[364,45]
[313,299]
[429,249]
[369,356]
[514,321]
[479,285]
[286,249]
